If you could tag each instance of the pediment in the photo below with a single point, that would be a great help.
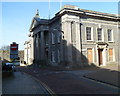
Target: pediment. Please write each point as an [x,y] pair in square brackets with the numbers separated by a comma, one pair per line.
[35,23]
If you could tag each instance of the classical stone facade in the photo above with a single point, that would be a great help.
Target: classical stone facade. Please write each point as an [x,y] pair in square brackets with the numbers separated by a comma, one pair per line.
[74,37]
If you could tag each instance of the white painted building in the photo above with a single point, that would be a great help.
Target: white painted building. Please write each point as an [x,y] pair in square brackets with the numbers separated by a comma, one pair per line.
[74,37]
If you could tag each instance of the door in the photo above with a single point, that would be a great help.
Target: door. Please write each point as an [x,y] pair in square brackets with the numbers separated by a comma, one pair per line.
[90,55]
[100,56]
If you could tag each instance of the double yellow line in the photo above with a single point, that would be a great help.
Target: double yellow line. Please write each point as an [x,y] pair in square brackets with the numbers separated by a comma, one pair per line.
[43,84]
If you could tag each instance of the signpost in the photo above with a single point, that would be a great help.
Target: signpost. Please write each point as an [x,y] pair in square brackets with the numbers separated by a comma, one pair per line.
[13,52]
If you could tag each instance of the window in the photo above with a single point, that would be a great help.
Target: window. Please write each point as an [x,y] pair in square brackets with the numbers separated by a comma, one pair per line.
[88,33]
[53,56]
[109,35]
[99,31]
[111,54]
[59,37]
[53,38]
[58,55]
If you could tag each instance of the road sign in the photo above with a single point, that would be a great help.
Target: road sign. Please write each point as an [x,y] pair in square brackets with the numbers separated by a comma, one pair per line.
[14,47]
[14,51]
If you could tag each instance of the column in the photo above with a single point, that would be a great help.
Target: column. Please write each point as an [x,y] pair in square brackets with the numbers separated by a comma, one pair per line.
[32,49]
[68,40]
[73,42]
[39,46]
[34,39]
[62,43]
[42,45]
[37,42]
[78,42]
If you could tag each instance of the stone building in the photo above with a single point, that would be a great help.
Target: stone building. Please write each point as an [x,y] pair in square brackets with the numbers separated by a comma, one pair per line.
[74,37]
[21,55]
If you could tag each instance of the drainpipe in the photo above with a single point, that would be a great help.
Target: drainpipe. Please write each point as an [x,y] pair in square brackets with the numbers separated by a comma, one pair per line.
[81,40]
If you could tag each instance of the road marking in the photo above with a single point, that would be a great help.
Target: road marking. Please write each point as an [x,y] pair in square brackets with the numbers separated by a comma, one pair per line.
[43,84]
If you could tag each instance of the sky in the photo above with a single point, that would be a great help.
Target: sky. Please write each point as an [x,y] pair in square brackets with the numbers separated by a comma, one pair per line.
[17,17]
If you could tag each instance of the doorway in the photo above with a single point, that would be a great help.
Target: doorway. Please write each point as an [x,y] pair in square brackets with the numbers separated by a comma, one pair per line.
[100,56]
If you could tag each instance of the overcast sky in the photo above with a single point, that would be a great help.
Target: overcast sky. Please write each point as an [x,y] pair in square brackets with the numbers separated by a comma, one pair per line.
[17,16]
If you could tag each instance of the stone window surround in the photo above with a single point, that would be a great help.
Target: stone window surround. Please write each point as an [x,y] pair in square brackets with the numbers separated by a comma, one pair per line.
[91,33]
[110,35]
[102,34]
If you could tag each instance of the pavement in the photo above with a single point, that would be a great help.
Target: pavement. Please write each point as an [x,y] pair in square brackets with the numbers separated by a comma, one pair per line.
[20,83]
[92,80]
[112,67]
[105,76]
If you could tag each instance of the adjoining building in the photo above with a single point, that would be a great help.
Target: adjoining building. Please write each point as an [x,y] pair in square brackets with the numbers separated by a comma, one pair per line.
[74,37]
[28,59]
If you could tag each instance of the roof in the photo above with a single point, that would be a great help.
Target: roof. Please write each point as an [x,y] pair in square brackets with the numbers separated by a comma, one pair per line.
[75,9]
[37,21]
[100,13]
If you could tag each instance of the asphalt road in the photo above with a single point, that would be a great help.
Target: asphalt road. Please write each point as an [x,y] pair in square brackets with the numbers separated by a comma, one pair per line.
[21,83]
[73,83]
[70,82]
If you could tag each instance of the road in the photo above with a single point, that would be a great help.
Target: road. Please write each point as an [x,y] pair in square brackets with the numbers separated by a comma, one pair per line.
[70,82]
[21,83]
[75,83]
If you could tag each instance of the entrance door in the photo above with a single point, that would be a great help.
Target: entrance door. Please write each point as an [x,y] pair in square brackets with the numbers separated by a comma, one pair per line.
[100,56]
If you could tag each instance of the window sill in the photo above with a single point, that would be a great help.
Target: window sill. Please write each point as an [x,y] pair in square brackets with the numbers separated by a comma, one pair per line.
[89,40]
[110,41]
[58,42]
[99,41]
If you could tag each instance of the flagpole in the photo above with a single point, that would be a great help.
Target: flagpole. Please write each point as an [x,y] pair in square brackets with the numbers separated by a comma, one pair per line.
[49,9]
[60,4]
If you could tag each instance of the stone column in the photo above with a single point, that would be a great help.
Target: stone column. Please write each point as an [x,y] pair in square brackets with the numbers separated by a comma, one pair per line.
[37,50]
[78,42]
[62,43]
[68,40]
[32,49]
[42,45]
[34,39]
[39,46]
[73,42]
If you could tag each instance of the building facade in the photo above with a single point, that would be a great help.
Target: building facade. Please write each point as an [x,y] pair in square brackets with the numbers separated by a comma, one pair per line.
[74,37]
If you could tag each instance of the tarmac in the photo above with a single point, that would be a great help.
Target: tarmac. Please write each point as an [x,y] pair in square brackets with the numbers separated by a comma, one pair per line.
[20,83]
[56,79]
